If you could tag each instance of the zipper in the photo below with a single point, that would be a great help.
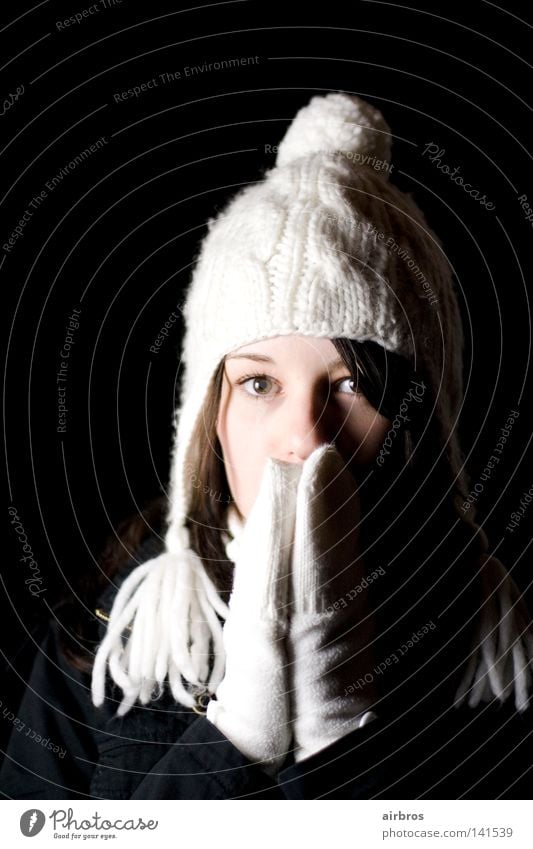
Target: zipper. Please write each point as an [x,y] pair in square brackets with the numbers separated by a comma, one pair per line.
[105,616]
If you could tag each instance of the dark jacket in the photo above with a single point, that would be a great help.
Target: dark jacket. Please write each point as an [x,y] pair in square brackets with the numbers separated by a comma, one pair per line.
[62,747]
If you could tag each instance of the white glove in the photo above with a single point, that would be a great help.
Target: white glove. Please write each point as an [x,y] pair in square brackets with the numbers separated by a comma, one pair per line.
[252,704]
[331,627]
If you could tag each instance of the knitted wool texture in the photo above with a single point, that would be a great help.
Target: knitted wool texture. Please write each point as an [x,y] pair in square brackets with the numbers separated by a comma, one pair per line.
[323,246]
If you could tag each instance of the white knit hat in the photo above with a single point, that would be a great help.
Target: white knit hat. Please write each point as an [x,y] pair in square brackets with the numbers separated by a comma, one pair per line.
[323,246]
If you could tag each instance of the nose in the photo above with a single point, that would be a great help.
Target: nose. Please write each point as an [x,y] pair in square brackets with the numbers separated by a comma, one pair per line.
[307,426]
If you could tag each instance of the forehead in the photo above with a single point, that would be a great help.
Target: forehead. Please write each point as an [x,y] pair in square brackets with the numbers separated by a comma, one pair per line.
[282,349]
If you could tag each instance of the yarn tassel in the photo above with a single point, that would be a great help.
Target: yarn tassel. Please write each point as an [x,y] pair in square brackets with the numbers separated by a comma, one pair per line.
[169,604]
[499,665]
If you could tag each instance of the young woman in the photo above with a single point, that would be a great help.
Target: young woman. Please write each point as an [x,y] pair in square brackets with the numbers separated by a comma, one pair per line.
[310,613]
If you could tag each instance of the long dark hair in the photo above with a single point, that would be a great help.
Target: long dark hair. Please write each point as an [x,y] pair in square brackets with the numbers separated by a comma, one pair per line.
[415,475]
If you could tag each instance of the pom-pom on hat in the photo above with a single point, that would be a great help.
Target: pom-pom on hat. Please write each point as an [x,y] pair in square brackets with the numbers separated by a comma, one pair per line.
[323,246]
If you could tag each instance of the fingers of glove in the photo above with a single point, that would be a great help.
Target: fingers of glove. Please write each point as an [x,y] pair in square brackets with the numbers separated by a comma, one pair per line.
[261,575]
[325,561]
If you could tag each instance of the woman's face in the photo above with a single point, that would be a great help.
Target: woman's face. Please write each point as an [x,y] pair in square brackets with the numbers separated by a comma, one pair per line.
[282,398]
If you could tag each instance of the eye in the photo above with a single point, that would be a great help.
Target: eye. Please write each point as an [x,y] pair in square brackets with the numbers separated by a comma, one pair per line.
[260,385]
[256,382]
[350,380]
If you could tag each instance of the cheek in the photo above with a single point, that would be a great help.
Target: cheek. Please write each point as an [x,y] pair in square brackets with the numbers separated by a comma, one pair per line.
[366,429]
[243,429]
[378,431]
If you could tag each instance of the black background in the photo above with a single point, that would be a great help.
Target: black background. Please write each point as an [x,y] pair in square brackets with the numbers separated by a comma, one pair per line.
[117,237]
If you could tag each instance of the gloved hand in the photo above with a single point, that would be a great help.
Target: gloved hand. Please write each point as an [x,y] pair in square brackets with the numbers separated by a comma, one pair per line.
[331,626]
[252,705]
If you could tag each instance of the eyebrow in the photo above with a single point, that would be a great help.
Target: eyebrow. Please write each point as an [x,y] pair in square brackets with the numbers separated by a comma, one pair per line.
[262,358]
